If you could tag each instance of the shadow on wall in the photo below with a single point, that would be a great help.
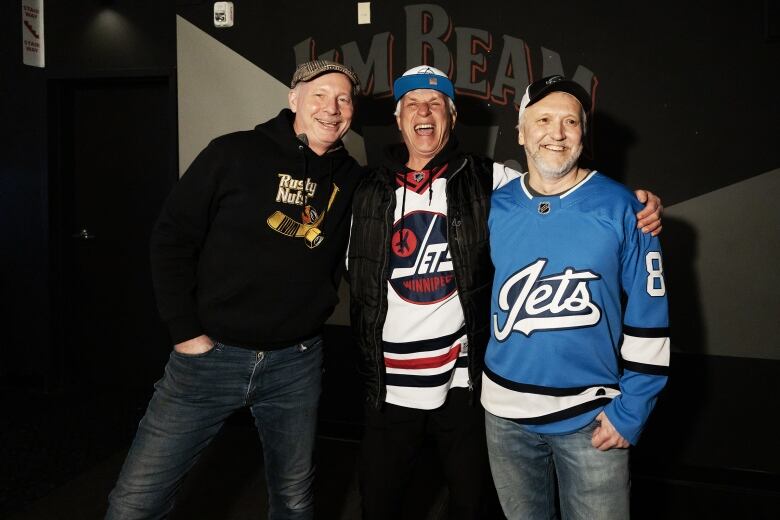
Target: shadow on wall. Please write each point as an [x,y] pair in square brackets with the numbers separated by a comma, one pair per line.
[607,145]
[671,429]
[679,241]
[688,336]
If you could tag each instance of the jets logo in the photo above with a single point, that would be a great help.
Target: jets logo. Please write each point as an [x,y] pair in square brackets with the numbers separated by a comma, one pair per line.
[420,263]
[527,302]
[404,242]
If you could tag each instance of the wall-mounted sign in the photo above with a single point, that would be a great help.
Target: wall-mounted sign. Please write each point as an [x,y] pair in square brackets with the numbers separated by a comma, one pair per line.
[32,33]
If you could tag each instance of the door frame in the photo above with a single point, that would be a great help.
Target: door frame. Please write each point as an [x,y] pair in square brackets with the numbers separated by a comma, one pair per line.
[59,182]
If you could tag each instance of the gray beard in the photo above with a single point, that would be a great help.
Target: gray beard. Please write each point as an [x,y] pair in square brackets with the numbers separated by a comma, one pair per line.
[551,174]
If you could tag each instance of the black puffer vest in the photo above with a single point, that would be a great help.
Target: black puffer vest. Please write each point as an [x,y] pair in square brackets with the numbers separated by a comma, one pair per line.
[468,203]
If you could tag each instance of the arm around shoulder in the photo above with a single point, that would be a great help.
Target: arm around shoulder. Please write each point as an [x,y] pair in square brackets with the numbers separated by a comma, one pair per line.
[503,175]
[649,219]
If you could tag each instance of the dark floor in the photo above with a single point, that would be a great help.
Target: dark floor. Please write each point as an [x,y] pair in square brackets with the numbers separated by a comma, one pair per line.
[48,439]
[60,452]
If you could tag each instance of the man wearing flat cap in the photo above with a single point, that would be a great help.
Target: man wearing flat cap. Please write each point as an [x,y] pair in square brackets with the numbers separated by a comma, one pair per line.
[420,281]
[579,346]
[247,255]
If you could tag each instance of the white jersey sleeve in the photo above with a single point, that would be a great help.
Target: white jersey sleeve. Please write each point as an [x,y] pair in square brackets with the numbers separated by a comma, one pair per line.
[502,175]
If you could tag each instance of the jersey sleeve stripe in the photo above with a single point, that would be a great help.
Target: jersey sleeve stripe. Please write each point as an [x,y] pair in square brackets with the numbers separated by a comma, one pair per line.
[655,332]
[649,351]
[642,368]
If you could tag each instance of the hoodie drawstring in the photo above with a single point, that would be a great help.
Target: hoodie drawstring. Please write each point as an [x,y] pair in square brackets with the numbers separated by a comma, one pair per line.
[403,207]
[302,148]
[430,186]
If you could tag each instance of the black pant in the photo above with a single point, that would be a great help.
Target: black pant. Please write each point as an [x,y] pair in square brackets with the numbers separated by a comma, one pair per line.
[393,442]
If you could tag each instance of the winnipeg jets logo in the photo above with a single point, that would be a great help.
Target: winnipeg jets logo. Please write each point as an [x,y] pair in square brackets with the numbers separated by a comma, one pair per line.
[404,243]
[420,263]
[531,303]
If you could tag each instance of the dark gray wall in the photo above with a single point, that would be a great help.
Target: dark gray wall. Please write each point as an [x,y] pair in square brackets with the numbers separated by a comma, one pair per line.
[681,92]
[686,106]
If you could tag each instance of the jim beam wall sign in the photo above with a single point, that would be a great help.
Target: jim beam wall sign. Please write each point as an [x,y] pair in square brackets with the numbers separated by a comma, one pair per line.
[32,33]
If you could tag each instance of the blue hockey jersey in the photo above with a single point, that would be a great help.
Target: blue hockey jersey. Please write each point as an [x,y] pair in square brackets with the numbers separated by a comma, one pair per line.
[579,309]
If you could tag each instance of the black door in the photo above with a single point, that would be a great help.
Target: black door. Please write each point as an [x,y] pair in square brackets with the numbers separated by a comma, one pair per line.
[112,164]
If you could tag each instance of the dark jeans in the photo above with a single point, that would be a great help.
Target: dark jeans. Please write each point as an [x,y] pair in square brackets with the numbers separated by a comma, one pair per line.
[392,444]
[191,403]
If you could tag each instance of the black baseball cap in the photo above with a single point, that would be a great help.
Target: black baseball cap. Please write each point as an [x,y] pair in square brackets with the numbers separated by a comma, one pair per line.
[542,87]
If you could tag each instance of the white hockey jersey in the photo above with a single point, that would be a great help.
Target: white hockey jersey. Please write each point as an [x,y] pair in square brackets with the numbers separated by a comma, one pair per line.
[424,335]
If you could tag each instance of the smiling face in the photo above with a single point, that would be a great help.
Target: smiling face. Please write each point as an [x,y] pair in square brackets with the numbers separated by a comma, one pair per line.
[323,109]
[425,122]
[551,131]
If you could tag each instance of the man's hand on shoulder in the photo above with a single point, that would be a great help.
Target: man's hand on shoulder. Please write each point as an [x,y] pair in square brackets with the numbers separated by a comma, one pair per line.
[194,346]
[649,219]
[605,436]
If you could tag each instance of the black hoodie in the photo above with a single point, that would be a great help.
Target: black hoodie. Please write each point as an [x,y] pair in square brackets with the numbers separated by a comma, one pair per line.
[233,253]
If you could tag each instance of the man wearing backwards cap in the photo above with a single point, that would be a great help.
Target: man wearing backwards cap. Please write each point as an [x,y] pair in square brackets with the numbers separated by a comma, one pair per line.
[420,277]
[247,255]
[579,349]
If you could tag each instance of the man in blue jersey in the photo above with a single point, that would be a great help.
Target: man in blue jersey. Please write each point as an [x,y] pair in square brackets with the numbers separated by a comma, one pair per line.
[579,349]
[420,274]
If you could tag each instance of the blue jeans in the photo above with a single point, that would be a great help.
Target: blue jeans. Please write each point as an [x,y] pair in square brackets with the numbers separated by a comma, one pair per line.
[191,403]
[592,484]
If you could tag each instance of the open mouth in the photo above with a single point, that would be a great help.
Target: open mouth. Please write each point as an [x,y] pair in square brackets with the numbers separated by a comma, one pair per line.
[332,125]
[554,147]
[423,129]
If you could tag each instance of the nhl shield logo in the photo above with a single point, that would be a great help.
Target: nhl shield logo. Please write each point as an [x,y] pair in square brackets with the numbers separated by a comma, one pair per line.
[544,208]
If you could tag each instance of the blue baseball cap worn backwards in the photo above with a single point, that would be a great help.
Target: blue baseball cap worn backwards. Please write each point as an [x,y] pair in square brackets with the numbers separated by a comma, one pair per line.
[423,76]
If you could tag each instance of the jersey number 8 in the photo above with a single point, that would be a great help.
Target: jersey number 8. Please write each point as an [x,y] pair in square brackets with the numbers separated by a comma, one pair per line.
[655,274]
